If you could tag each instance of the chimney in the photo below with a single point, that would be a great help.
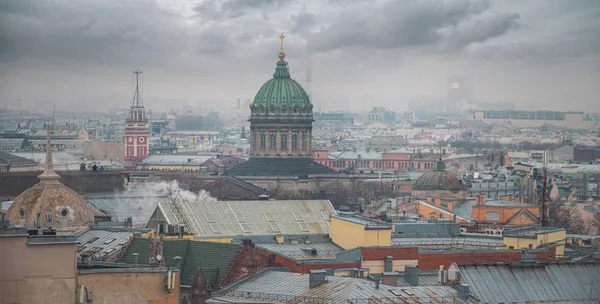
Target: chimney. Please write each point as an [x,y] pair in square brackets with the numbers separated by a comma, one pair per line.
[438,202]
[387,264]
[390,278]
[135,258]
[411,274]
[463,291]
[316,278]
[450,205]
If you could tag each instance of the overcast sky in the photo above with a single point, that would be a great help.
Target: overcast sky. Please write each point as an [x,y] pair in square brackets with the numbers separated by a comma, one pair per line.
[538,54]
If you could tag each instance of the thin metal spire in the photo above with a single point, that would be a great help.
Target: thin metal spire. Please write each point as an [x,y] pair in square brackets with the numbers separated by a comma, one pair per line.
[137,96]
[48,176]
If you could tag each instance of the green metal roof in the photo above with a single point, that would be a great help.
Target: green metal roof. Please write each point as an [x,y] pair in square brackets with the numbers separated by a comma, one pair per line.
[214,258]
[281,90]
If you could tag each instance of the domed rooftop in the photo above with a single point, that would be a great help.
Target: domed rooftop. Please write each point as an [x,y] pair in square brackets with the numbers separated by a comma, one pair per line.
[281,94]
[50,204]
[438,180]
[281,90]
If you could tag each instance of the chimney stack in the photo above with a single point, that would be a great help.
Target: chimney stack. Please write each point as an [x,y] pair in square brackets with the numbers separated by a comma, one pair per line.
[411,274]
[463,291]
[390,278]
[387,264]
[316,278]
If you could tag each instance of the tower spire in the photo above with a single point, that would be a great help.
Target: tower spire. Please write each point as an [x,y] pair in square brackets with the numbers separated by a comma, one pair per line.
[48,176]
[137,96]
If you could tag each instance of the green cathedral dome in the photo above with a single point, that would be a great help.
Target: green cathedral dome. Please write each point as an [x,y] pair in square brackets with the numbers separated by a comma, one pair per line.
[282,93]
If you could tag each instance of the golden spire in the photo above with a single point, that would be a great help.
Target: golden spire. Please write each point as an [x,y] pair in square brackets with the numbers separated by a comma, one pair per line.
[281,53]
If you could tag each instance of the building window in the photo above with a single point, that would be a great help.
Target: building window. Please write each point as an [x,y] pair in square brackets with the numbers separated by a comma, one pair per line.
[263,141]
[303,141]
[283,141]
[418,165]
[295,142]
[273,141]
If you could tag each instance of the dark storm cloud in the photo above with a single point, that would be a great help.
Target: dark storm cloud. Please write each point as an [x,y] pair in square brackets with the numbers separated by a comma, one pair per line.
[89,31]
[435,25]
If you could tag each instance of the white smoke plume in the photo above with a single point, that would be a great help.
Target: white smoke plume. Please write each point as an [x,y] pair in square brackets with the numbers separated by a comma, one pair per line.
[140,200]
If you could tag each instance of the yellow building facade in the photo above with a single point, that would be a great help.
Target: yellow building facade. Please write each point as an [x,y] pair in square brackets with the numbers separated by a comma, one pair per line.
[352,232]
[534,237]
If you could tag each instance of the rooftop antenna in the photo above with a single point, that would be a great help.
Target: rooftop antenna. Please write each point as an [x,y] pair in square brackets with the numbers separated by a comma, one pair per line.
[137,95]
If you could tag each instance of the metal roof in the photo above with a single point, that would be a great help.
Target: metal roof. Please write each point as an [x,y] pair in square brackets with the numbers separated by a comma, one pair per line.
[99,243]
[554,282]
[288,287]
[11,144]
[530,232]
[140,206]
[209,218]
[445,242]
[166,159]
[301,251]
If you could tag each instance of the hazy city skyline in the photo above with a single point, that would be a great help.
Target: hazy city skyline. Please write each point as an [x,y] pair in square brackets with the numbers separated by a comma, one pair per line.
[80,54]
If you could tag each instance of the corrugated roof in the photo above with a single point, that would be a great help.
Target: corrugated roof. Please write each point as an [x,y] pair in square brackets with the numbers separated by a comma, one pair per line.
[299,251]
[166,159]
[554,282]
[445,242]
[11,144]
[140,207]
[287,287]
[232,218]
[98,243]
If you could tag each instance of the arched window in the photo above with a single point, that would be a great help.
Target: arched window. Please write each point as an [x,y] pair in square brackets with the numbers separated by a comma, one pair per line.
[273,141]
[283,141]
[295,141]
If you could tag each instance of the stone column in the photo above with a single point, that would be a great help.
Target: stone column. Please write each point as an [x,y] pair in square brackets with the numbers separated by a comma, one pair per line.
[289,141]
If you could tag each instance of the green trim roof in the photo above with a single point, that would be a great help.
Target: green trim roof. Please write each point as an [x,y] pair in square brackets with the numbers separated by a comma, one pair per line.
[214,258]
[281,90]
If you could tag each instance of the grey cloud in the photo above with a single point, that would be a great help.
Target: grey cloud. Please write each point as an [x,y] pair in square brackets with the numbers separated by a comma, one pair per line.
[220,10]
[88,31]
[413,24]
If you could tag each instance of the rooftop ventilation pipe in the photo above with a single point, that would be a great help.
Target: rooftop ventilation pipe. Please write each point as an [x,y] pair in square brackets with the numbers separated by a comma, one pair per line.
[135,258]
[411,274]
[387,264]
[316,278]
[463,291]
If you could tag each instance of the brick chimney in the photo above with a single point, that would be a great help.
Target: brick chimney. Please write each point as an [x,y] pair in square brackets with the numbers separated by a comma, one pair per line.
[450,205]
[480,199]
[438,202]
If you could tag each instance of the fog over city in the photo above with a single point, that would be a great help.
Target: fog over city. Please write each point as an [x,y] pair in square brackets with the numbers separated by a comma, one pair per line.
[80,54]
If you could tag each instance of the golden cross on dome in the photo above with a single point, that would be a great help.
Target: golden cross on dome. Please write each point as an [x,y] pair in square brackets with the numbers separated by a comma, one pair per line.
[281,44]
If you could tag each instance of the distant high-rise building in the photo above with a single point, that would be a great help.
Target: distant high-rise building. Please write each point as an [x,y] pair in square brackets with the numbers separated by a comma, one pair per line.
[460,91]
[136,130]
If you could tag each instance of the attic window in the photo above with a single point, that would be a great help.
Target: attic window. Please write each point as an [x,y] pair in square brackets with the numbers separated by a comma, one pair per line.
[22,212]
[64,212]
